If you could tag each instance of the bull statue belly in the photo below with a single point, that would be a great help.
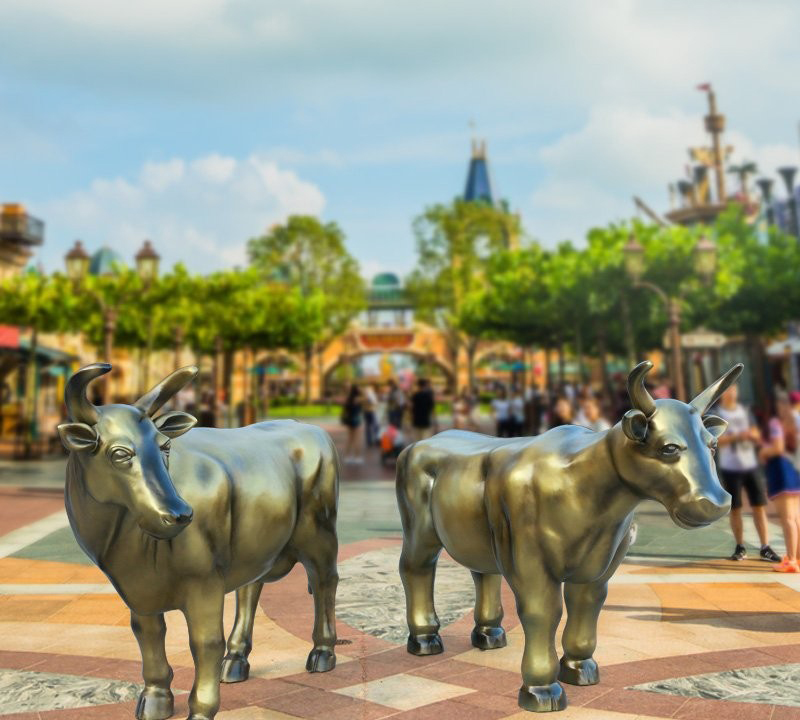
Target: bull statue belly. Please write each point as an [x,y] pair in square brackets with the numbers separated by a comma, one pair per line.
[177,517]
[551,514]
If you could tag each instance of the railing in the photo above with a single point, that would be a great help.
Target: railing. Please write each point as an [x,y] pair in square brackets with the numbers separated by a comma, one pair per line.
[21,226]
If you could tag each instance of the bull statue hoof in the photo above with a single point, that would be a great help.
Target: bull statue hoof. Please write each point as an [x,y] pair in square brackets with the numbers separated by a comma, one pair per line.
[579,672]
[155,704]
[430,644]
[542,698]
[235,669]
[320,660]
[488,638]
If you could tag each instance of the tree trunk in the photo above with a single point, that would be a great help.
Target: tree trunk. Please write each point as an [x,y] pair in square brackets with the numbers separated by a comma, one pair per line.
[308,357]
[29,414]
[757,358]
[216,384]
[548,376]
[147,354]
[579,353]
[560,350]
[472,348]
[228,370]
[602,352]
[627,329]
[176,362]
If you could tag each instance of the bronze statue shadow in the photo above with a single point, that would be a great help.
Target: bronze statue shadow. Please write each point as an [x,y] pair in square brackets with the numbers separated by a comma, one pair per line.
[772,622]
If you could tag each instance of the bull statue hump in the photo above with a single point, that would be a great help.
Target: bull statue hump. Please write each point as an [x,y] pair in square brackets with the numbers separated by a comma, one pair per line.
[176,517]
[551,514]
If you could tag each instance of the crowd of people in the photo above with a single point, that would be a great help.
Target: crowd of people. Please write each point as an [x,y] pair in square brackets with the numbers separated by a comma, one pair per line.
[759,458]
[390,417]
[763,461]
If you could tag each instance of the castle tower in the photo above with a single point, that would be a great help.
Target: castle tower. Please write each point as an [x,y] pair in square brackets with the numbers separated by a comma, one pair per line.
[479,187]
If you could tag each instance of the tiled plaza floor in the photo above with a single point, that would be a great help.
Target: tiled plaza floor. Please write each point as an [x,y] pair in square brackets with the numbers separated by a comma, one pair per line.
[684,634]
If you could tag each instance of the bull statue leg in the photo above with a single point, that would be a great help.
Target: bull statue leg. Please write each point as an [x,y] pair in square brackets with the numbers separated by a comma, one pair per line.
[584,602]
[203,611]
[235,667]
[155,701]
[421,548]
[539,608]
[317,548]
[488,633]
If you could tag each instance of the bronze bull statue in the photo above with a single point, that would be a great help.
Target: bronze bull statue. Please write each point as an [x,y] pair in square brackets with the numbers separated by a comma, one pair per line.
[176,519]
[547,512]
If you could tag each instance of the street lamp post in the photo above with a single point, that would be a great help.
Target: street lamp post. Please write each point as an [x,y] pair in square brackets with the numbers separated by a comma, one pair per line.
[705,261]
[77,262]
[147,260]
[788,173]
[765,186]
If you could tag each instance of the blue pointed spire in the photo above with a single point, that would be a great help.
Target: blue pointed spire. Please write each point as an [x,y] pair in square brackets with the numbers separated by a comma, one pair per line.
[478,185]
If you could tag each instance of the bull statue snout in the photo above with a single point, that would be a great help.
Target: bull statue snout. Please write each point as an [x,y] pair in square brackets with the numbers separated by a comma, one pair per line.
[180,519]
[702,511]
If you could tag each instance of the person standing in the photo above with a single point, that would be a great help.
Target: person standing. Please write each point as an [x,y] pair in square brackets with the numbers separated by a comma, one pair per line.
[783,479]
[561,413]
[501,409]
[516,413]
[370,416]
[590,416]
[352,417]
[738,467]
[423,404]
[395,404]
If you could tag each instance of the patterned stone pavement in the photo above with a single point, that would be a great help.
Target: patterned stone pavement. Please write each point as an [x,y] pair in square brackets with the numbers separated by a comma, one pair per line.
[684,633]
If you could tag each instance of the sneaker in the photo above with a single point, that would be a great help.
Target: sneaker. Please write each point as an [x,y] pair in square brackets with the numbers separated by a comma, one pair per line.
[786,566]
[768,554]
[740,553]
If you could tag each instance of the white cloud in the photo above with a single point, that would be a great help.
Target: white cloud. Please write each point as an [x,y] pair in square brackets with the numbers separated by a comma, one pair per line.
[215,168]
[200,212]
[159,176]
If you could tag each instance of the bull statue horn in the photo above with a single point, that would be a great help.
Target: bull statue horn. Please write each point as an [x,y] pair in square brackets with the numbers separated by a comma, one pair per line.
[151,402]
[78,405]
[712,393]
[640,398]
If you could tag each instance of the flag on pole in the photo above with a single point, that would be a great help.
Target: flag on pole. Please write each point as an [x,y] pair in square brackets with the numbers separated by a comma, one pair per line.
[705,87]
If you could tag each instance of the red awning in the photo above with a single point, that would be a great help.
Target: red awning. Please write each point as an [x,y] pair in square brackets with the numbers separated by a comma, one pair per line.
[9,336]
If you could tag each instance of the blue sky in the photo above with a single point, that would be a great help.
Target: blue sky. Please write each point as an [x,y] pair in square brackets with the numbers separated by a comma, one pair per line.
[199,123]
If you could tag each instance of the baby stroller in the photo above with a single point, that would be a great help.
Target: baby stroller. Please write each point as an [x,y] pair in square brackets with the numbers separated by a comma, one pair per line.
[392,443]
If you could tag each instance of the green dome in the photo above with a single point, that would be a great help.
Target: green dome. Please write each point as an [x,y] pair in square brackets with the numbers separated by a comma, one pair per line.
[105,261]
[386,280]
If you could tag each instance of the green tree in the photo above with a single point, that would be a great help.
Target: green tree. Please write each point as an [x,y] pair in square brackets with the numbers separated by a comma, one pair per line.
[454,242]
[43,303]
[311,257]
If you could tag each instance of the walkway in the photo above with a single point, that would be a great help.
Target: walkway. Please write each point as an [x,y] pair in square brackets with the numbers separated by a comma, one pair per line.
[684,634]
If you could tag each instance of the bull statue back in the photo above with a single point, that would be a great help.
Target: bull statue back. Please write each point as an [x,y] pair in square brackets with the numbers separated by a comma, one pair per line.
[551,514]
[176,517]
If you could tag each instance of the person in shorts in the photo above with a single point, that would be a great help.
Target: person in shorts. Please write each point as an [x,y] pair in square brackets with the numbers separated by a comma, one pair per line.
[738,469]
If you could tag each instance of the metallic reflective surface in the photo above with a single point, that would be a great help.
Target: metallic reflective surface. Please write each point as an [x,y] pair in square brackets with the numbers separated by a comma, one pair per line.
[550,514]
[176,517]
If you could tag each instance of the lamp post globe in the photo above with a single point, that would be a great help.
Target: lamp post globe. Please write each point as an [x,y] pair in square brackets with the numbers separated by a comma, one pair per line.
[147,260]
[633,254]
[77,262]
[705,258]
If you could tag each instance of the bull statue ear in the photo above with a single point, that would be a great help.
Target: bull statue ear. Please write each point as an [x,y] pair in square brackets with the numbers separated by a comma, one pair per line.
[715,425]
[173,424]
[78,436]
[634,425]
[712,393]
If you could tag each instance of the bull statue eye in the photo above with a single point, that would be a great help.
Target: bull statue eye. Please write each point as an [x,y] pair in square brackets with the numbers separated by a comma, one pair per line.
[121,455]
[670,450]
